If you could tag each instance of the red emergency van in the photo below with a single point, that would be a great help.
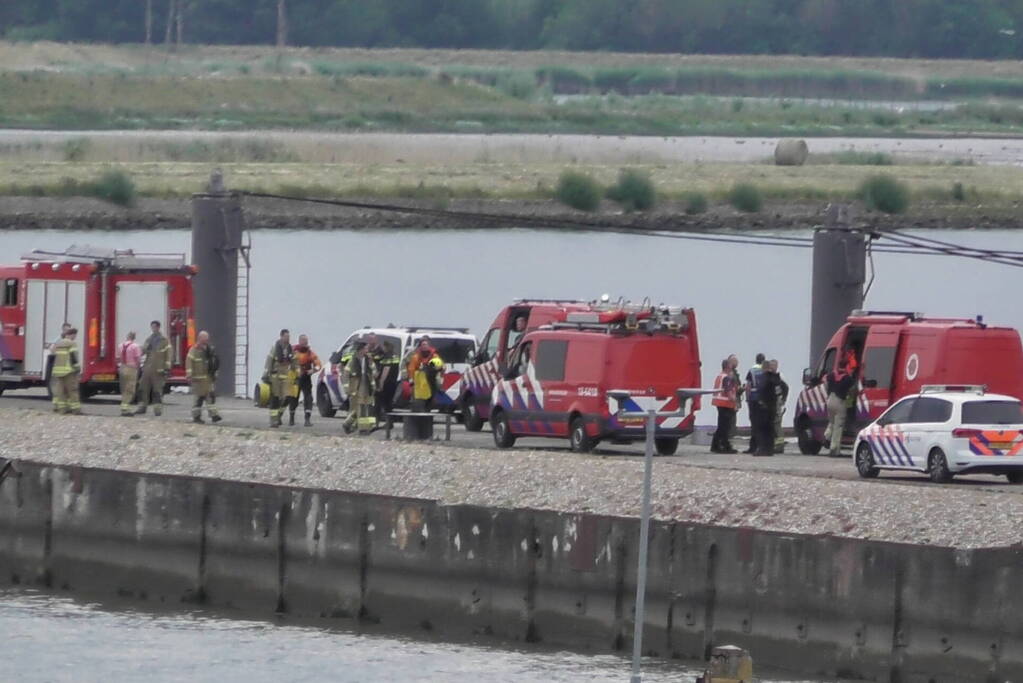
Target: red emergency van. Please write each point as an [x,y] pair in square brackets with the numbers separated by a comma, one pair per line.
[559,379]
[897,354]
[477,384]
[105,294]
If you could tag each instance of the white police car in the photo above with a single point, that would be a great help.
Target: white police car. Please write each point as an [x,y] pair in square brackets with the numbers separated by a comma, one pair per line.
[944,431]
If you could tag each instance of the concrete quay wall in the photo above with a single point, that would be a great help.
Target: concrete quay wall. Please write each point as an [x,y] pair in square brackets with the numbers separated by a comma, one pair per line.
[813,605]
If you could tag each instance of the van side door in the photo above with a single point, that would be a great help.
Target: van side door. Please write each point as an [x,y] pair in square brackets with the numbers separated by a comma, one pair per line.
[877,372]
[927,421]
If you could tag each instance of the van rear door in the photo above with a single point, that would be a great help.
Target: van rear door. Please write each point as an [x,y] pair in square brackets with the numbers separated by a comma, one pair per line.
[876,375]
[138,304]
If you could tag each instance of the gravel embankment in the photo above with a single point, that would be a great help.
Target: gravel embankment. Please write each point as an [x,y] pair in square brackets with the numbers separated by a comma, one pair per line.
[522,478]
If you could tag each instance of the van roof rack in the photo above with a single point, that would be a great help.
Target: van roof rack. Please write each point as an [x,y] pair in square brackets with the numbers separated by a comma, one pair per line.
[437,328]
[949,388]
[120,259]
[529,300]
[859,313]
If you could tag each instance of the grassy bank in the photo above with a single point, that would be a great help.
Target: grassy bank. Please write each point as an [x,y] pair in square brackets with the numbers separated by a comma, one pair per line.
[411,104]
[49,86]
[978,185]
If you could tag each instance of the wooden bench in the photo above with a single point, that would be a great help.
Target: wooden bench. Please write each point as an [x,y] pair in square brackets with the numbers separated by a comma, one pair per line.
[403,415]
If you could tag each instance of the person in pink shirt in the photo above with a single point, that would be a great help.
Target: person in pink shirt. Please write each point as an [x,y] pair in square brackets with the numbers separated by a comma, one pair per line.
[128,357]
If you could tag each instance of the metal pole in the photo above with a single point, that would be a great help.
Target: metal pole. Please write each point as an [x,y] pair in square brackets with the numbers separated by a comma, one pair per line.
[644,540]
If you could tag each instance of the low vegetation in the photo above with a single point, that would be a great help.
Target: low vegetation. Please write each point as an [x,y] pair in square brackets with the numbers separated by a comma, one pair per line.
[579,191]
[746,197]
[634,190]
[885,193]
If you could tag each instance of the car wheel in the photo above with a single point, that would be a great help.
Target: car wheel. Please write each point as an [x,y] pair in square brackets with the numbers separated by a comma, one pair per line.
[503,438]
[323,404]
[865,462]
[804,434]
[471,414]
[1015,477]
[578,440]
[666,446]
[937,467]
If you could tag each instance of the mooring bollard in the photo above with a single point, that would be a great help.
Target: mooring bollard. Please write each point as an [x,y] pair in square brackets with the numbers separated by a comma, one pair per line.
[728,664]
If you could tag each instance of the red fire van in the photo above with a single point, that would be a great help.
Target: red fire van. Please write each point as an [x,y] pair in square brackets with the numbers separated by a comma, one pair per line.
[898,353]
[558,380]
[478,382]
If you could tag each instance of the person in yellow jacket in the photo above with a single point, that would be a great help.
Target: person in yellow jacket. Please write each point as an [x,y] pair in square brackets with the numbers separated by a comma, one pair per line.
[362,373]
[280,369]
[425,371]
[201,366]
[157,364]
[66,374]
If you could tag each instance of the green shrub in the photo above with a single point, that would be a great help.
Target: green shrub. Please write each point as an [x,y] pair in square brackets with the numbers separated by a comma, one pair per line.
[114,186]
[564,79]
[518,84]
[75,149]
[885,193]
[578,190]
[696,202]
[746,197]
[958,192]
[634,190]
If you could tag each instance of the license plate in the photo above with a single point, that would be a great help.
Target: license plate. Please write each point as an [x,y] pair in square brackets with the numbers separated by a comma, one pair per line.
[104,378]
[1001,445]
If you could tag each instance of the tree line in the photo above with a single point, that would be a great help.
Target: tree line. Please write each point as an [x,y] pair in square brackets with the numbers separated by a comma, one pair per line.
[984,29]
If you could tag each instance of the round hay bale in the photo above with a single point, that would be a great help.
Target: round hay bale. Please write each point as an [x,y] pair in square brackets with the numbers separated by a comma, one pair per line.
[790,152]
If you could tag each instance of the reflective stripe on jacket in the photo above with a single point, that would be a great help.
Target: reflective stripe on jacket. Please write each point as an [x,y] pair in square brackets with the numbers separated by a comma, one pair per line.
[65,358]
[725,384]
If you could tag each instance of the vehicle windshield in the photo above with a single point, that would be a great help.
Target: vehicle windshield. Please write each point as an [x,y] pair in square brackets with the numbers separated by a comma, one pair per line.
[453,350]
[992,413]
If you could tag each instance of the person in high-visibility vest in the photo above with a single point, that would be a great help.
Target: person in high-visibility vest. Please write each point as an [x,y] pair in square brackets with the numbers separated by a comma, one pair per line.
[66,374]
[425,371]
[308,363]
[361,372]
[129,356]
[157,364]
[726,400]
[201,366]
[278,373]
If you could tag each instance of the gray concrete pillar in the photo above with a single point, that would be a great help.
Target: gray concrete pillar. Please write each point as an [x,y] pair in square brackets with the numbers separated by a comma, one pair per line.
[839,272]
[217,227]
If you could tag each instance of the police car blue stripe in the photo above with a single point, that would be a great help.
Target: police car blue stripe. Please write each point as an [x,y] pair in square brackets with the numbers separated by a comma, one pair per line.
[905,452]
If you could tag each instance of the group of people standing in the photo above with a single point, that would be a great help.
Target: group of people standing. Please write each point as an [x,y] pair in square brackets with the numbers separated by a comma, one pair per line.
[765,394]
[371,374]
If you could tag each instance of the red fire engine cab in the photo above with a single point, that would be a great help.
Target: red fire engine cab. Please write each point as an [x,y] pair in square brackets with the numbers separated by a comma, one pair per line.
[561,379]
[897,354]
[105,294]
[478,382]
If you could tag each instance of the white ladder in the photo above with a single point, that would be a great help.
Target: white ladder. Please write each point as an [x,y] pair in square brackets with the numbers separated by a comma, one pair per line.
[241,331]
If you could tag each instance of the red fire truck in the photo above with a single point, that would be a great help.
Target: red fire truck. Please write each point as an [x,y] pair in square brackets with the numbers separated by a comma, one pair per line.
[105,294]
[897,354]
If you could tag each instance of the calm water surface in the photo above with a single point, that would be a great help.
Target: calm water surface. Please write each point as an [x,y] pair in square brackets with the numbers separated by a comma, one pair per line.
[48,638]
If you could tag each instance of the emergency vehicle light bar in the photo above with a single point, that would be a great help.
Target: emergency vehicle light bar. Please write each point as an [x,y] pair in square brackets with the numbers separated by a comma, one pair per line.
[860,313]
[432,328]
[943,388]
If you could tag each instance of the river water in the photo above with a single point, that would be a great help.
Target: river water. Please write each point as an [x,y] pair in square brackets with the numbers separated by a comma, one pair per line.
[748,299]
[57,639]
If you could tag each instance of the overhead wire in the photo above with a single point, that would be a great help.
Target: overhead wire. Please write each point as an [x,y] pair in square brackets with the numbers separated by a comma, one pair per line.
[903,243]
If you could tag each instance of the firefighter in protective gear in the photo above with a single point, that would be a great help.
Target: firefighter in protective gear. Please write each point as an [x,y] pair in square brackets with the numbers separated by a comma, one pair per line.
[66,375]
[201,366]
[278,372]
[308,363]
[387,380]
[425,371]
[157,364]
[361,372]
[128,356]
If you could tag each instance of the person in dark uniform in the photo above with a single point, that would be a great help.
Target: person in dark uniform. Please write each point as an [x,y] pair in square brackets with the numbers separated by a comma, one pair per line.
[772,388]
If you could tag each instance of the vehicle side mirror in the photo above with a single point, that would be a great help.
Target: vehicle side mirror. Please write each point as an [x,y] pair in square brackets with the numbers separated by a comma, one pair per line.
[335,357]
[470,357]
[808,378]
[882,422]
[870,384]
